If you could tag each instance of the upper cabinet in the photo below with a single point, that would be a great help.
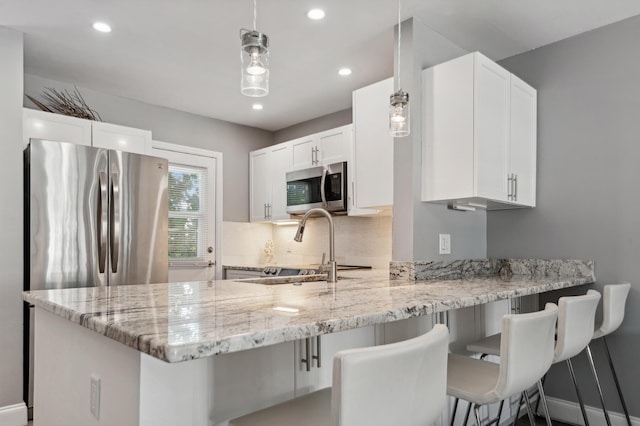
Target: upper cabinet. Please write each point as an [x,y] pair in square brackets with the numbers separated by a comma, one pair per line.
[120,138]
[479,141]
[372,159]
[61,128]
[328,147]
[268,185]
[54,127]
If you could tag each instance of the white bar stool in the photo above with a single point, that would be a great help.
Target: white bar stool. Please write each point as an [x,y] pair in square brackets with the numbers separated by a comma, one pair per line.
[614,300]
[576,314]
[526,353]
[401,383]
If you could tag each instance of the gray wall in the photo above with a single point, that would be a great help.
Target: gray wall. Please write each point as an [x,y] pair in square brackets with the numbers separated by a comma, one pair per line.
[11,82]
[416,225]
[168,125]
[588,176]
[326,122]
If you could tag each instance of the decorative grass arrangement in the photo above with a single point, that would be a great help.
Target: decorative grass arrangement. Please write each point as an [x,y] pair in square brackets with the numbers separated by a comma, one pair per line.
[66,103]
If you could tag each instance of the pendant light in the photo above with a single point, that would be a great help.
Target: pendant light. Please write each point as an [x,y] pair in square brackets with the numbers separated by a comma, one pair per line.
[399,101]
[255,60]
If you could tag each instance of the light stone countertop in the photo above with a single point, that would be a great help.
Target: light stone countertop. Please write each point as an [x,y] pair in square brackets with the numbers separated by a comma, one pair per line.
[182,321]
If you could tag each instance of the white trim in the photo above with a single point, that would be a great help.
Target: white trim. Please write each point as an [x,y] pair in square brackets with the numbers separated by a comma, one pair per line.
[165,146]
[13,415]
[569,412]
[185,149]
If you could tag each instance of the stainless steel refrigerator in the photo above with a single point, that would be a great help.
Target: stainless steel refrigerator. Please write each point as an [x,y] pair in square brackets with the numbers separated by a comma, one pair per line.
[93,217]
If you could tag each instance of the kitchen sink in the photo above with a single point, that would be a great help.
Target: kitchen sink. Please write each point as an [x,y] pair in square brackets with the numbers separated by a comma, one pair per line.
[291,279]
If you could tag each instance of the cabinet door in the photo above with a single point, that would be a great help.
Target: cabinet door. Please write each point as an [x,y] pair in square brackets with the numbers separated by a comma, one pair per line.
[303,151]
[260,184]
[523,141]
[121,138]
[321,377]
[54,127]
[447,151]
[491,128]
[372,146]
[248,381]
[281,162]
[334,145]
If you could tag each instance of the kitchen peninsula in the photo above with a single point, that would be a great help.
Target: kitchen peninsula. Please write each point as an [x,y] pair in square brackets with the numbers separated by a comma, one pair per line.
[132,340]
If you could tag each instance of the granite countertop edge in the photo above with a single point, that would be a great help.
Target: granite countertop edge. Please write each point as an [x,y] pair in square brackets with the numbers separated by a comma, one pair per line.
[445,295]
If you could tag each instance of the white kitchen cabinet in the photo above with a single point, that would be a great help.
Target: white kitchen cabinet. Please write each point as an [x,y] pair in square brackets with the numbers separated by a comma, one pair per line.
[328,147]
[320,376]
[54,127]
[268,186]
[248,381]
[62,128]
[372,159]
[479,135]
[121,138]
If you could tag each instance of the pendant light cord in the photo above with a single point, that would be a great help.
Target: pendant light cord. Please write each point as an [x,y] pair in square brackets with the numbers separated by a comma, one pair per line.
[255,13]
[399,39]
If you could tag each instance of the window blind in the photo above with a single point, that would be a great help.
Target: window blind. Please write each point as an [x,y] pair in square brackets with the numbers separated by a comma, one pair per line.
[188,216]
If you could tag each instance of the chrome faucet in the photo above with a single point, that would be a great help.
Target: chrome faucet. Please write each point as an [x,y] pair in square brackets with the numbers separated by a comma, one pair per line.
[332,273]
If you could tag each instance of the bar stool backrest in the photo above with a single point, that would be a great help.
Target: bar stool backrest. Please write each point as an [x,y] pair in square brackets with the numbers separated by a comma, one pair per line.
[402,383]
[614,299]
[576,316]
[526,350]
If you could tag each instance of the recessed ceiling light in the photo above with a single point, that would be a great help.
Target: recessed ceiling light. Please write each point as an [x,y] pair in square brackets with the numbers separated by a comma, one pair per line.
[257,106]
[102,27]
[315,14]
[344,71]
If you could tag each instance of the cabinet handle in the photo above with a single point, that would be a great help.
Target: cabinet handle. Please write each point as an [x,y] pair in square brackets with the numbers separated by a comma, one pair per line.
[317,355]
[510,187]
[307,360]
[515,187]
[269,210]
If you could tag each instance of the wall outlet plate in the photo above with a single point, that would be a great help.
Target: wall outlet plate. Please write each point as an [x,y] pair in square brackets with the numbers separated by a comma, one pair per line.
[444,243]
[94,397]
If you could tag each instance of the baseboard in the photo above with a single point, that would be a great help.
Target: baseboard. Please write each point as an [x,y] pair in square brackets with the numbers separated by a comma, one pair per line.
[13,415]
[569,412]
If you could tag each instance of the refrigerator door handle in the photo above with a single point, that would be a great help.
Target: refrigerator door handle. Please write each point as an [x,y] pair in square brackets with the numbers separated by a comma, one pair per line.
[115,222]
[103,206]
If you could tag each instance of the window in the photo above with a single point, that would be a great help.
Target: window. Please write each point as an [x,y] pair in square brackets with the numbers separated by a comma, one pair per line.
[188,213]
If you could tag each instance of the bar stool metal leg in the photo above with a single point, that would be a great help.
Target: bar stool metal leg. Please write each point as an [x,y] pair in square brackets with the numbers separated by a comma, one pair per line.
[542,398]
[595,376]
[615,378]
[520,401]
[453,415]
[476,412]
[575,384]
[532,419]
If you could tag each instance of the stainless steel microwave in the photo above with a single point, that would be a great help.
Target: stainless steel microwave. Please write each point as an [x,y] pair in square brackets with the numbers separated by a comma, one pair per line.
[322,186]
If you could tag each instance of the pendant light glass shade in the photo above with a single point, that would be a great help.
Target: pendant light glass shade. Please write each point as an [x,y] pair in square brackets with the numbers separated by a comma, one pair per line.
[255,64]
[399,125]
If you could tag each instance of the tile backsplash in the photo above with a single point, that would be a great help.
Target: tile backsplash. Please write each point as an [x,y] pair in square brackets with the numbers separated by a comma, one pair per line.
[358,241]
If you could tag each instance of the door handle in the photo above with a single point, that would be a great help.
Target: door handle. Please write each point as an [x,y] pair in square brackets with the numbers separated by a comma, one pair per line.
[102,224]
[515,187]
[115,222]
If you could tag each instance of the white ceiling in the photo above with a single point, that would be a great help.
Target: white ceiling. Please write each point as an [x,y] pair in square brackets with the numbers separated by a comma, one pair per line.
[185,54]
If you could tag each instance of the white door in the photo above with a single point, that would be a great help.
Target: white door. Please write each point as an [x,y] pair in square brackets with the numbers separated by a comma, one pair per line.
[523,141]
[304,152]
[194,212]
[334,145]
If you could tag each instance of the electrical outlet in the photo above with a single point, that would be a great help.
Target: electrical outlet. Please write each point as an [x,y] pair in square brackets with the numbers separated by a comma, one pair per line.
[94,397]
[445,243]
